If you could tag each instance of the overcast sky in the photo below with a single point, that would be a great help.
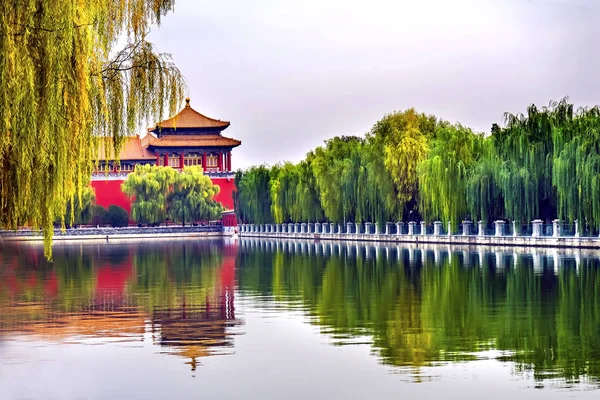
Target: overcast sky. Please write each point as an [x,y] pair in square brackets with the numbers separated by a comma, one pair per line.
[290,74]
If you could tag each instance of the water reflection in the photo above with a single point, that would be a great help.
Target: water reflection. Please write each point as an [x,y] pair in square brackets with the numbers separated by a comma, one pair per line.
[417,307]
[430,305]
[180,295]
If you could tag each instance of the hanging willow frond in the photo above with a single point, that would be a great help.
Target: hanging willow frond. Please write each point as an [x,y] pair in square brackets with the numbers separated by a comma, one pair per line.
[61,92]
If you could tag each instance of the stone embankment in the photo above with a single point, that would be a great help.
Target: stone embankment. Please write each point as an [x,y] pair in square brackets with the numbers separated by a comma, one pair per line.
[115,233]
[396,232]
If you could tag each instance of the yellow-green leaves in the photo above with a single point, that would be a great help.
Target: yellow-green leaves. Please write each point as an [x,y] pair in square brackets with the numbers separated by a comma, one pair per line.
[158,192]
[61,91]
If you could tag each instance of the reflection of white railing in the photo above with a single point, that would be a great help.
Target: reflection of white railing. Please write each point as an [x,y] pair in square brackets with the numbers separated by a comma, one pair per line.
[500,257]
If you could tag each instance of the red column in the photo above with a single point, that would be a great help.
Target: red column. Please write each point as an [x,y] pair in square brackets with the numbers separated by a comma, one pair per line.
[220,161]
[166,159]
[157,159]
[204,161]
[229,161]
[181,160]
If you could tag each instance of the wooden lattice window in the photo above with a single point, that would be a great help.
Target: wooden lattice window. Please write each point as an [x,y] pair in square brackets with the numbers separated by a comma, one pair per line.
[192,159]
[173,160]
[212,161]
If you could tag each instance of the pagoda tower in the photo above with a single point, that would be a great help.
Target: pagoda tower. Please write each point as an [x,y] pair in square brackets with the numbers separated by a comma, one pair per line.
[189,138]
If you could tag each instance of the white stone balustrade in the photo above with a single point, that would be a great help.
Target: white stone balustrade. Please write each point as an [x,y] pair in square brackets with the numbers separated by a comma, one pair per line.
[499,228]
[437,227]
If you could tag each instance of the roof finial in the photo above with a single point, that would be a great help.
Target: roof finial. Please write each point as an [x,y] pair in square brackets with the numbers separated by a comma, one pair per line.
[187,101]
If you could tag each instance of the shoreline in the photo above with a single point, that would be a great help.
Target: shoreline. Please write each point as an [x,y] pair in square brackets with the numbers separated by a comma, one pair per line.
[112,234]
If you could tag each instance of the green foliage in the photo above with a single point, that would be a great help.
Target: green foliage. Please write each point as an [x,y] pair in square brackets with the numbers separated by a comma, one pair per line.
[443,175]
[158,192]
[99,215]
[62,90]
[117,216]
[192,197]
[544,164]
[79,210]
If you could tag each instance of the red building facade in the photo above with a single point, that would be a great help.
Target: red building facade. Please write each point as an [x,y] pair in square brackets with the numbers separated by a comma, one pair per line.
[187,139]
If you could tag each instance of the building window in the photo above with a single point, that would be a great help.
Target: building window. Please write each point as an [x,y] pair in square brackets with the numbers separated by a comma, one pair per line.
[192,159]
[161,160]
[212,161]
[174,160]
[126,167]
[105,167]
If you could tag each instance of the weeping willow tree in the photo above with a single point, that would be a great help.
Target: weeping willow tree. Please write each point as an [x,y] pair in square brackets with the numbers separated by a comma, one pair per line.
[253,199]
[149,187]
[64,86]
[285,201]
[443,176]
[576,168]
[526,147]
[403,138]
[328,168]
[192,197]
[482,192]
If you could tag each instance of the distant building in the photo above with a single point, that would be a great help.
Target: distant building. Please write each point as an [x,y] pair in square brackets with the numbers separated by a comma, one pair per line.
[189,138]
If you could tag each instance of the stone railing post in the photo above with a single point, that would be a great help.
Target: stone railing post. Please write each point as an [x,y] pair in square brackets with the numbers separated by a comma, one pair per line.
[311,227]
[556,228]
[466,228]
[303,227]
[514,224]
[339,228]
[449,229]
[576,228]
[368,228]
[437,228]
[411,228]
[387,228]
[357,226]
[399,228]
[499,231]
[376,228]
[423,228]
[480,231]
[536,228]
[318,227]
[349,227]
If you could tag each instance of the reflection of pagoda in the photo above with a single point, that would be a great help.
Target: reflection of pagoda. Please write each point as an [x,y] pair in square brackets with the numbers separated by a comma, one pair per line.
[188,330]
[192,330]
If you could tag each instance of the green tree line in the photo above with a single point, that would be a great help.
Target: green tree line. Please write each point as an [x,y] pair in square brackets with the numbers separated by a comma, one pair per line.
[412,166]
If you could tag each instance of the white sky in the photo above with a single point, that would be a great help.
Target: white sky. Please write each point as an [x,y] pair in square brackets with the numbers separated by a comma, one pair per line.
[290,74]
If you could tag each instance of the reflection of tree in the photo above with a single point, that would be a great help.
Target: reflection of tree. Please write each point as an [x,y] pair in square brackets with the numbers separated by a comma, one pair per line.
[422,313]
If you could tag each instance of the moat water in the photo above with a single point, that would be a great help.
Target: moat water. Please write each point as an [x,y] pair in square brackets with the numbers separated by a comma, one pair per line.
[260,319]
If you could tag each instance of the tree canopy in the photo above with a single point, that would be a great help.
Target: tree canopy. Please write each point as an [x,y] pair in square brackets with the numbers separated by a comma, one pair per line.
[161,192]
[410,166]
[65,85]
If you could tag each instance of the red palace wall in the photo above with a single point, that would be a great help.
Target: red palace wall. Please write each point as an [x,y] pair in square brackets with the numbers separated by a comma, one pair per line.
[108,192]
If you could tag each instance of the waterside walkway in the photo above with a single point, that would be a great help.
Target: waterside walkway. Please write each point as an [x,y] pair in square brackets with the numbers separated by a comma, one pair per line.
[417,233]
[116,233]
